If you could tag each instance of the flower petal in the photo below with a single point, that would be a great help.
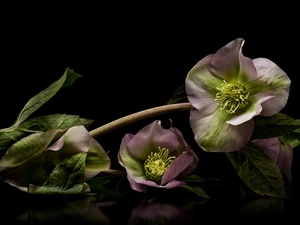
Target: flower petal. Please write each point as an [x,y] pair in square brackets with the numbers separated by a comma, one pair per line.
[126,139]
[134,168]
[230,64]
[201,86]
[96,160]
[213,134]
[272,80]
[183,148]
[254,108]
[149,138]
[28,148]
[25,175]
[171,184]
[177,167]
[75,140]
[281,154]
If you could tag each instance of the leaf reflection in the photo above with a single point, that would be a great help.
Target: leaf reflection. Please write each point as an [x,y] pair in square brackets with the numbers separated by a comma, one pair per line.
[79,211]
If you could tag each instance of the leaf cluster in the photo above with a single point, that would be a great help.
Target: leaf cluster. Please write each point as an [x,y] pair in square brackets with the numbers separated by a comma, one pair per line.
[23,127]
[68,176]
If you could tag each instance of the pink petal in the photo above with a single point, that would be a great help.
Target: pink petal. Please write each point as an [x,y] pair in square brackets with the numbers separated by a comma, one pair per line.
[137,183]
[149,138]
[177,167]
[126,139]
[171,184]
[182,148]
[274,81]
[74,141]
[229,63]
[253,109]
[281,154]
[201,86]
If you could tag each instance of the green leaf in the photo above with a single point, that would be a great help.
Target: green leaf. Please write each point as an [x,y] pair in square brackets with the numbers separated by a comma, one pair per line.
[192,178]
[274,126]
[41,123]
[41,98]
[56,121]
[196,190]
[30,147]
[258,171]
[178,96]
[292,138]
[8,139]
[96,182]
[66,178]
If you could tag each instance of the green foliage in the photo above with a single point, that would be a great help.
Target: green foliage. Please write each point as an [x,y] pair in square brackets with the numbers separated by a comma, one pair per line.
[192,178]
[55,121]
[196,190]
[178,96]
[258,171]
[22,127]
[274,126]
[66,178]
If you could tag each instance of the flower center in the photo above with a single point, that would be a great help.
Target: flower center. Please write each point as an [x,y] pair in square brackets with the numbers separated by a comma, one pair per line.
[157,164]
[232,95]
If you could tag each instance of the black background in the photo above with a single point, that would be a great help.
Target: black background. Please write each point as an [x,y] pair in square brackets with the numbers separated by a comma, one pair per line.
[133,57]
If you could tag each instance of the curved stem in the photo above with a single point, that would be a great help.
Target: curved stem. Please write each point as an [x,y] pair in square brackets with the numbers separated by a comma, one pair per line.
[139,116]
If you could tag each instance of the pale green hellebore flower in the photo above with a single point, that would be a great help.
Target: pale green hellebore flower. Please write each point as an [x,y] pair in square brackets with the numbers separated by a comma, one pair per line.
[227,90]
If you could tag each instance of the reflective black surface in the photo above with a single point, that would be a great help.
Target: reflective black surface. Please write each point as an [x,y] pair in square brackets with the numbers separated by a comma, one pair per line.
[227,203]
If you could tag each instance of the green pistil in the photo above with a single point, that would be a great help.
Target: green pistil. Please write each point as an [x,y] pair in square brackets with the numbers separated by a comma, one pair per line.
[157,164]
[232,95]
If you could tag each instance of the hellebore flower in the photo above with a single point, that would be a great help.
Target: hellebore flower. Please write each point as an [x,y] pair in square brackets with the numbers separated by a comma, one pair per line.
[41,159]
[227,90]
[280,153]
[156,157]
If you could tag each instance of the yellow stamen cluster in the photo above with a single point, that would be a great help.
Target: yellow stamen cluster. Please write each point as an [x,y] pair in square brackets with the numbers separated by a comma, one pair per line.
[232,95]
[157,164]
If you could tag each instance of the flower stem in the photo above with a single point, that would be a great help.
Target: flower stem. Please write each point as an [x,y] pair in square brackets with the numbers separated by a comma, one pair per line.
[139,116]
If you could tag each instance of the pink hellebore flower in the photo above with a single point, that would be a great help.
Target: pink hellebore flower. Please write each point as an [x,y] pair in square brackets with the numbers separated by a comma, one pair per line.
[156,157]
[227,90]
[280,153]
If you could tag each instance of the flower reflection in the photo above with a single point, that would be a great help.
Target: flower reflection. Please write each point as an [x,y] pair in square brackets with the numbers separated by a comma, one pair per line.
[159,213]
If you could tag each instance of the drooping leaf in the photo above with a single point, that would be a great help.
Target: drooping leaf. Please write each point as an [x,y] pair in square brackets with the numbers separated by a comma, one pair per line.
[41,98]
[258,171]
[178,96]
[27,148]
[66,178]
[274,126]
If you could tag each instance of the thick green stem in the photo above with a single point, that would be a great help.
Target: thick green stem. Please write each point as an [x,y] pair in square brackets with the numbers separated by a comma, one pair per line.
[139,116]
